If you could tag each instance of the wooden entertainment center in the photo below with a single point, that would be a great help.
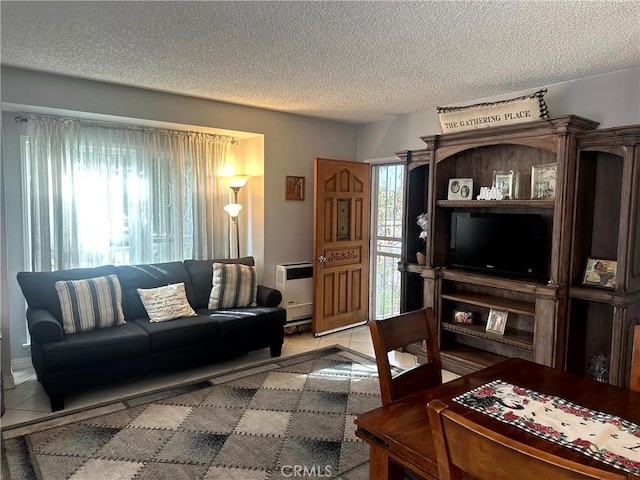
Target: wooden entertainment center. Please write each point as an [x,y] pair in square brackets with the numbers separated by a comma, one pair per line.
[595,213]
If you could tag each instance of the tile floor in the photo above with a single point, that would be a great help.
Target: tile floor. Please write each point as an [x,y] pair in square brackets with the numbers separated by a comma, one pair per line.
[27,401]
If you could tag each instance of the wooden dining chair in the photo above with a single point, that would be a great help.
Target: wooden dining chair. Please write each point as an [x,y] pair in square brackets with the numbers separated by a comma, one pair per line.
[465,449]
[634,383]
[392,333]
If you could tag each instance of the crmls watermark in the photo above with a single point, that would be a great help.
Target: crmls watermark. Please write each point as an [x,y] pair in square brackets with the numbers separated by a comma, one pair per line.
[302,471]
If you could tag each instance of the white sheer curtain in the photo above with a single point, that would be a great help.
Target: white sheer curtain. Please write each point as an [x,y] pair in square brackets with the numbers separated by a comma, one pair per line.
[103,193]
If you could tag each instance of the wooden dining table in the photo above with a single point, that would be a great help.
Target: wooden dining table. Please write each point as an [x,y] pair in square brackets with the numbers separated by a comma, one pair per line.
[399,434]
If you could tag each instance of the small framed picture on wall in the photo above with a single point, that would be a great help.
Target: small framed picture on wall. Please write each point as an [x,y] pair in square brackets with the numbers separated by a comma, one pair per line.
[294,188]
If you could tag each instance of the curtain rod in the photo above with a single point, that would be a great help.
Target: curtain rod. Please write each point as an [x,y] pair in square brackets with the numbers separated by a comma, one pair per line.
[21,119]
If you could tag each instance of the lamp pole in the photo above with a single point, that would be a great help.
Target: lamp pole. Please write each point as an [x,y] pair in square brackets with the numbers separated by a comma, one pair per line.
[233,209]
[235,220]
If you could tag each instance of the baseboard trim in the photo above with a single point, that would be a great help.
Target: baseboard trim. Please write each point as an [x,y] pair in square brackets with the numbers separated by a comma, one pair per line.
[21,363]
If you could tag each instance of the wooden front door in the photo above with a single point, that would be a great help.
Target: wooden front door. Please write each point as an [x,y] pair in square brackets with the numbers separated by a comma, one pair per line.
[340,244]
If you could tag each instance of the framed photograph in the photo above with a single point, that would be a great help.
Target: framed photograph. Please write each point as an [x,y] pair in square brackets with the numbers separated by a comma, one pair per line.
[463,317]
[600,273]
[460,189]
[543,181]
[505,181]
[497,321]
[294,188]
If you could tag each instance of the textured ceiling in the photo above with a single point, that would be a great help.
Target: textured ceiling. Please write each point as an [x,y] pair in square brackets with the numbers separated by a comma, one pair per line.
[350,61]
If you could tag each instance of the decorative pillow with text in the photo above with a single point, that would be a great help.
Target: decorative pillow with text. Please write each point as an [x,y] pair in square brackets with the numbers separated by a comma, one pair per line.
[233,285]
[527,108]
[166,303]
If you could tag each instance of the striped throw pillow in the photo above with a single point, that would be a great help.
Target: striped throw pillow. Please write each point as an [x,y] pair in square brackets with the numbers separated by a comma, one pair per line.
[233,285]
[91,303]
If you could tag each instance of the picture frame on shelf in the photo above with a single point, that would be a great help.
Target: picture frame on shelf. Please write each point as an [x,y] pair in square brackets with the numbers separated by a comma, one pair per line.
[543,181]
[294,188]
[505,181]
[497,321]
[462,317]
[460,189]
[600,273]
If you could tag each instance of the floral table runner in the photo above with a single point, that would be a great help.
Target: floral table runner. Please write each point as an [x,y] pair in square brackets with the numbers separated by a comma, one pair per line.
[607,438]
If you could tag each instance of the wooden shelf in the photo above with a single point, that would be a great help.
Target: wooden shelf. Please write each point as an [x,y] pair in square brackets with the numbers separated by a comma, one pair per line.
[512,337]
[496,203]
[411,267]
[489,301]
[593,294]
[524,286]
[463,359]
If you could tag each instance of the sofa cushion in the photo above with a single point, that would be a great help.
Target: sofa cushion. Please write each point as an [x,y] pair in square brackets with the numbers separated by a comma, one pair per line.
[200,272]
[234,285]
[153,275]
[238,322]
[179,333]
[95,347]
[39,288]
[166,303]
[91,303]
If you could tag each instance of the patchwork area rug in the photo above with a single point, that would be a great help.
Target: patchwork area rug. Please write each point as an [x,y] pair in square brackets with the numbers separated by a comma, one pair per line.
[288,418]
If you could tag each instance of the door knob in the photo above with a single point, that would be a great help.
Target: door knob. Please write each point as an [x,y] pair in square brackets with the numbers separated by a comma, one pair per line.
[321,258]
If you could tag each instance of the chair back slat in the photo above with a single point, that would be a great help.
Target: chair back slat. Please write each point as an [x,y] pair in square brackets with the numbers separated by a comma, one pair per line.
[403,330]
[396,332]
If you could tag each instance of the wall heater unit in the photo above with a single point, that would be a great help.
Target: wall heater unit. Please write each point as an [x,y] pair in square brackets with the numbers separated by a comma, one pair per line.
[295,281]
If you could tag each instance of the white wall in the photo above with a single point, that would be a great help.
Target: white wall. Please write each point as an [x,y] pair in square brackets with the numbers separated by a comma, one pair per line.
[13,323]
[5,350]
[291,143]
[612,99]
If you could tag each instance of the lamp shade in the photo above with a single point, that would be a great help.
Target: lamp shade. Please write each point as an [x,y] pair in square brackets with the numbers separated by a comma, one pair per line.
[233,209]
[238,181]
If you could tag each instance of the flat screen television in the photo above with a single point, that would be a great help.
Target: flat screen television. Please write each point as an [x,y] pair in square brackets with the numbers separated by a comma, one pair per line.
[503,244]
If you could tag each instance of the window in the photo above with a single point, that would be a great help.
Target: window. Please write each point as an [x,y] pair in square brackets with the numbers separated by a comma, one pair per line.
[109,194]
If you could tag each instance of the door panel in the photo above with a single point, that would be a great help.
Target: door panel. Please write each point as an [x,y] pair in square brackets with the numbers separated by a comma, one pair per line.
[341,244]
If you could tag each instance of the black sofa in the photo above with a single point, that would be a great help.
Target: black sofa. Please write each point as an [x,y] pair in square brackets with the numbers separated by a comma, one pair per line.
[67,363]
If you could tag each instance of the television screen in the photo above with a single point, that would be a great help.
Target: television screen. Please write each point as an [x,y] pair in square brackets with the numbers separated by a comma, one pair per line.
[501,244]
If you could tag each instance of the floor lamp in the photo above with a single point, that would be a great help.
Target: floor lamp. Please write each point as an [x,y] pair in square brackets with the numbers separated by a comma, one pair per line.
[233,209]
